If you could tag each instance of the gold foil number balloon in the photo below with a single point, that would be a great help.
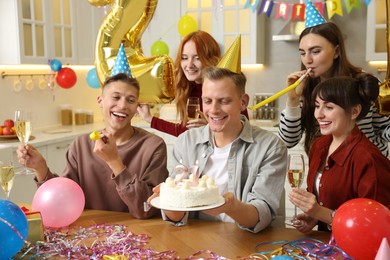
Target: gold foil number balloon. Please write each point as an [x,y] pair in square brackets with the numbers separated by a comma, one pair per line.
[384,89]
[100,3]
[125,22]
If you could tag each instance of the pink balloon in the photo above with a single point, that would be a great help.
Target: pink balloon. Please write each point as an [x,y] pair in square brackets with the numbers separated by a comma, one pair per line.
[60,201]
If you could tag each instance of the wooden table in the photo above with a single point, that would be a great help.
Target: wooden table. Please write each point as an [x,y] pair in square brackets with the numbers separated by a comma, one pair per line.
[224,239]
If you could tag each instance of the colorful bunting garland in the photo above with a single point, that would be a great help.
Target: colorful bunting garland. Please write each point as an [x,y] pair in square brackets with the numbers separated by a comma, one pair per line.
[288,10]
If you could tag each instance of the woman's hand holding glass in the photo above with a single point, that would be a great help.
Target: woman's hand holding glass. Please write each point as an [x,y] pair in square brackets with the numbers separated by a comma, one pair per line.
[307,223]
[195,116]
[295,176]
[201,121]
[143,111]
[23,128]
[34,160]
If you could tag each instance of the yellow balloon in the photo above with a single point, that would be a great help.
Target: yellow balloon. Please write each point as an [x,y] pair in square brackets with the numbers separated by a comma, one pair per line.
[125,22]
[187,25]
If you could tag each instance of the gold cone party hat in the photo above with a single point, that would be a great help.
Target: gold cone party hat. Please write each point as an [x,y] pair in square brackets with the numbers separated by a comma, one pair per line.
[232,58]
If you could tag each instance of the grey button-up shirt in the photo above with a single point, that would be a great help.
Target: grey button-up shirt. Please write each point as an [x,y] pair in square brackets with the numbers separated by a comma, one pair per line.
[256,167]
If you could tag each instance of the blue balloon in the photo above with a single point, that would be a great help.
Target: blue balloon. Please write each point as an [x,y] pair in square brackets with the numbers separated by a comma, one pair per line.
[55,65]
[92,79]
[10,242]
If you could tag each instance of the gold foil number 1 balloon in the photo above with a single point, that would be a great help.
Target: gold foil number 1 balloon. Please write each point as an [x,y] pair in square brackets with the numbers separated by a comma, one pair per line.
[125,23]
[384,89]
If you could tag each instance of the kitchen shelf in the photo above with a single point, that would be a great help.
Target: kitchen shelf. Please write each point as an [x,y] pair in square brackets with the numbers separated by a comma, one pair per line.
[4,74]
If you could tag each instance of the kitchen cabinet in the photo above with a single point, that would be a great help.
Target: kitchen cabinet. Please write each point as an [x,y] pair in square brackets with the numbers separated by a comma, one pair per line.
[376,40]
[6,154]
[56,153]
[88,21]
[35,31]
[228,21]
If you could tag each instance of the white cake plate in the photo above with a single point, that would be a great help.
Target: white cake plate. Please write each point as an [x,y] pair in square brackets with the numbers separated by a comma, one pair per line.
[157,204]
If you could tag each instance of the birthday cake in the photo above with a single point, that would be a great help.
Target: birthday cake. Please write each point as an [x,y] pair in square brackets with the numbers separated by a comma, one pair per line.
[189,193]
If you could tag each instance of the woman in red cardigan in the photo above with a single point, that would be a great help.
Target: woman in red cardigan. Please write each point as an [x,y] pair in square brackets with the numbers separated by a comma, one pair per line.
[197,50]
[343,163]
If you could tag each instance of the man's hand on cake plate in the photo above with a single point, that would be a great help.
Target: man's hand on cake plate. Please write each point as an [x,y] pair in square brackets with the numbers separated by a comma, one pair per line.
[156,193]
[228,205]
[173,215]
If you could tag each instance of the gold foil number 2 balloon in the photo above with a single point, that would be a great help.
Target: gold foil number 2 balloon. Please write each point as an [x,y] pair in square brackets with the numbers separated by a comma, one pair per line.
[125,22]
[384,89]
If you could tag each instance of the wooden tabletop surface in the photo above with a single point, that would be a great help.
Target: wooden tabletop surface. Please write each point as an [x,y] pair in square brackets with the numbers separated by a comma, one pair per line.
[223,239]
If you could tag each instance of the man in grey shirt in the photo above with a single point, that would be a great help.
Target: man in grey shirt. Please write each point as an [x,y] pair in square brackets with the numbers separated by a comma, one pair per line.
[247,162]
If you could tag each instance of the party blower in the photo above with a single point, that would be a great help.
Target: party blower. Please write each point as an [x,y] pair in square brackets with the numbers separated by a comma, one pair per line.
[280,93]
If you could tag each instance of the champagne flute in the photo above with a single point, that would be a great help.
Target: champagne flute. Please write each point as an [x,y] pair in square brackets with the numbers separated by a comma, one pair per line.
[7,176]
[193,106]
[23,130]
[295,176]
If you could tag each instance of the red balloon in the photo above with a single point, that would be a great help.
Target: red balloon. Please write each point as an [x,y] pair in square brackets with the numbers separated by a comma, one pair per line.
[66,78]
[359,227]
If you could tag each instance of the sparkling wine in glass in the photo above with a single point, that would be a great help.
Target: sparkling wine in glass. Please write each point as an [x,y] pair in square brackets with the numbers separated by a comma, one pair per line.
[7,176]
[193,106]
[23,130]
[295,176]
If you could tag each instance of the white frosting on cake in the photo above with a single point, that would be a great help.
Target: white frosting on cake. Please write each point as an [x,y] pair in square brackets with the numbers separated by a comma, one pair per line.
[188,193]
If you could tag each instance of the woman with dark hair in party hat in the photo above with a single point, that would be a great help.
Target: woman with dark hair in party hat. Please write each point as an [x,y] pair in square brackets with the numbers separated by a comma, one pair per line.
[322,51]
[344,164]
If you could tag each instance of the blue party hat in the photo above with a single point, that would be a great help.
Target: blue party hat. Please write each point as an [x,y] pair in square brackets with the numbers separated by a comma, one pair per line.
[121,63]
[313,16]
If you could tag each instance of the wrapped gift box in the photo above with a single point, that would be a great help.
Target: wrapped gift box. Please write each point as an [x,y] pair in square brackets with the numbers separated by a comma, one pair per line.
[35,226]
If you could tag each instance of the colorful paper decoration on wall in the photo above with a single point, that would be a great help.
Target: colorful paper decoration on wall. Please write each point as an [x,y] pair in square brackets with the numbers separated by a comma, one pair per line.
[292,11]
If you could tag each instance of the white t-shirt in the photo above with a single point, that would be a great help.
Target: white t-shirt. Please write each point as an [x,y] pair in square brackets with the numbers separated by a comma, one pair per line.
[216,168]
